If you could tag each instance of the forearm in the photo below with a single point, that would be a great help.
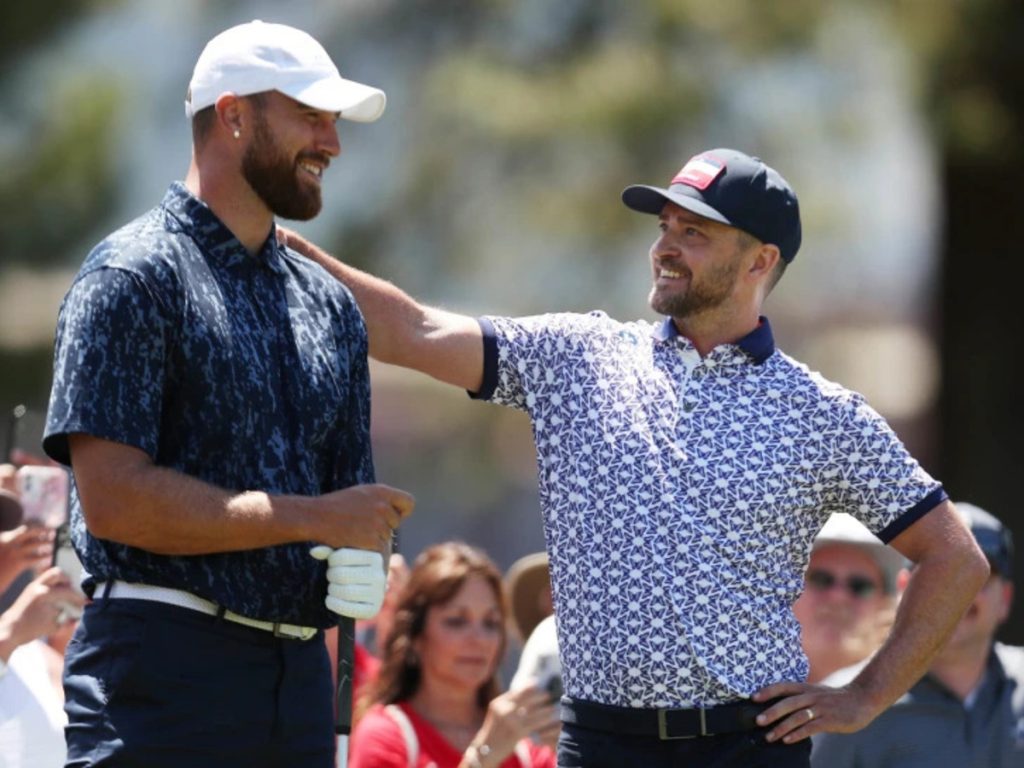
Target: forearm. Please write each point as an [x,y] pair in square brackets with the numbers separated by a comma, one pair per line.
[163,511]
[445,345]
[393,318]
[127,498]
[936,598]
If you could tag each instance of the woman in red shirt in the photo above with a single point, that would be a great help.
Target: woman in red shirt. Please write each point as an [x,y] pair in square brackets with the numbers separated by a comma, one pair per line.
[435,702]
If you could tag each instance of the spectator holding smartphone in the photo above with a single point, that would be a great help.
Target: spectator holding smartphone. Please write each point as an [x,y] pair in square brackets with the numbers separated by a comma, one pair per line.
[25,550]
[31,705]
[436,698]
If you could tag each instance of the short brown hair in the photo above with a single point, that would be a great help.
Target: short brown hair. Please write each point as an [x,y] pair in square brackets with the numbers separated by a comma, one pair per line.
[203,120]
[746,241]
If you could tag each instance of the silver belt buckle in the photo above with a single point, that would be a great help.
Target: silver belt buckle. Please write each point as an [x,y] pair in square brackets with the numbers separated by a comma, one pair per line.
[664,735]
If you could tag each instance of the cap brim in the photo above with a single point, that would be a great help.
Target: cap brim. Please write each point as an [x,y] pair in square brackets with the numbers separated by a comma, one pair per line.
[354,101]
[645,199]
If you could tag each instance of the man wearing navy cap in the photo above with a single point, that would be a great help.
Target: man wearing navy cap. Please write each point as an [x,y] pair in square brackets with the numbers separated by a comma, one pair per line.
[968,711]
[685,467]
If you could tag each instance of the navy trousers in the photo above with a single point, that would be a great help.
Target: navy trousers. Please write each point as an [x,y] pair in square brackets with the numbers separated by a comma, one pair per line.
[580,747]
[149,685]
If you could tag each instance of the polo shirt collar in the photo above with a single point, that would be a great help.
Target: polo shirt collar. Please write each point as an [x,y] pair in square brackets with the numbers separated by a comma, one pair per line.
[215,239]
[759,344]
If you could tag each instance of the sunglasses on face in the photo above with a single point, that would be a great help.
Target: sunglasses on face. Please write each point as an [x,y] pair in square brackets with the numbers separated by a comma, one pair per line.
[858,586]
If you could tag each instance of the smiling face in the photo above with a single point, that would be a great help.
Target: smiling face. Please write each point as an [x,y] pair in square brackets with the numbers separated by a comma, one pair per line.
[695,263]
[290,148]
[462,639]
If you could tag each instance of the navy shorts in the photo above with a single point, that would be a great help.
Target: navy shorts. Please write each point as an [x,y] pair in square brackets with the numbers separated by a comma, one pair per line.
[153,685]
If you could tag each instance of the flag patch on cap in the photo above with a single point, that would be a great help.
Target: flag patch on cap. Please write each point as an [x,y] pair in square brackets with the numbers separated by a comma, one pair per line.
[700,171]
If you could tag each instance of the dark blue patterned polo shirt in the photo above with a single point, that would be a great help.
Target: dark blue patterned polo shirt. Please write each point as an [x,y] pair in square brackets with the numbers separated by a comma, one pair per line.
[681,496]
[247,372]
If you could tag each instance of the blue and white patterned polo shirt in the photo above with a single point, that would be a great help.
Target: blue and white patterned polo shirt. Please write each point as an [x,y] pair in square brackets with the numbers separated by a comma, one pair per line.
[681,497]
[247,372]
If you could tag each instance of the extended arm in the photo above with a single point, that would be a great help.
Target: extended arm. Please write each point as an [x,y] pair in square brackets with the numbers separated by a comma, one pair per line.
[128,499]
[950,570]
[445,345]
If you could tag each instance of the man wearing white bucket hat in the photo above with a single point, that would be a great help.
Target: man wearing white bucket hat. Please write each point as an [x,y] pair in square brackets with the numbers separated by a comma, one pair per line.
[211,395]
[851,588]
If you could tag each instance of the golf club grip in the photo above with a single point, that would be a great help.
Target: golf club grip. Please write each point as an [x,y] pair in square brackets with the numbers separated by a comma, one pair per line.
[346,664]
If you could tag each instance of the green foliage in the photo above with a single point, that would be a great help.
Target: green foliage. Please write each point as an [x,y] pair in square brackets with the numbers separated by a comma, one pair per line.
[27,25]
[53,194]
[26,379]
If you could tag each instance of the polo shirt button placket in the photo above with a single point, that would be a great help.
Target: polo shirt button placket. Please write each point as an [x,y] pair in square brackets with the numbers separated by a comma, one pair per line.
[697,375]
[692,363]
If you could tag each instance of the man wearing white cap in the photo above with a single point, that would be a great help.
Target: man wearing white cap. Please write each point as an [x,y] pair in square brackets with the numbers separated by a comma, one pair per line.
[849,599]
[211,394]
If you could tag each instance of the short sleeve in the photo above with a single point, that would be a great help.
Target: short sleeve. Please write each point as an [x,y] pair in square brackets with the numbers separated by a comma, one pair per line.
[880,483]
[524,353]
[108,377]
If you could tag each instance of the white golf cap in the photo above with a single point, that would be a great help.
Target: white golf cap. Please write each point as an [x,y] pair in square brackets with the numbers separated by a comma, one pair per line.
[258,56]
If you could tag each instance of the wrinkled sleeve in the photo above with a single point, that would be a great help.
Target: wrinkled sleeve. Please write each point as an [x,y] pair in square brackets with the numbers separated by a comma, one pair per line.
[108,375]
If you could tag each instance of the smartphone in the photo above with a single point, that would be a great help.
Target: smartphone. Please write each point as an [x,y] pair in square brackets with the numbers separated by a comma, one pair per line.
[553,686]
[65,557]
[44,495]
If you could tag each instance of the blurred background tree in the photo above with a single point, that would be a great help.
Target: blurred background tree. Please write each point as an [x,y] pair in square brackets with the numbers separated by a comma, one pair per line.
[492,185]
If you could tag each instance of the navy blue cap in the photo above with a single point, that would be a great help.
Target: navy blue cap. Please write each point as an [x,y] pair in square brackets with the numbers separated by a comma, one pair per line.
[727,186]
[994,538]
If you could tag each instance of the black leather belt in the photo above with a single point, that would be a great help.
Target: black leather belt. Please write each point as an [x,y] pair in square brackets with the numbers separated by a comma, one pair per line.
[663,723]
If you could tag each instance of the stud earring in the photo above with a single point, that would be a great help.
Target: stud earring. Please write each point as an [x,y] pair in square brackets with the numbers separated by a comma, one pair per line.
[238,134]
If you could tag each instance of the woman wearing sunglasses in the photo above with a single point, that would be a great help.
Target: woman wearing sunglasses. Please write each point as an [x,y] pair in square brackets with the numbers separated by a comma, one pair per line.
[851,588]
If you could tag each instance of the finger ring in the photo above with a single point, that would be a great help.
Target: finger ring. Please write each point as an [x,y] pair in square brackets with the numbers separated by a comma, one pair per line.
[810,714]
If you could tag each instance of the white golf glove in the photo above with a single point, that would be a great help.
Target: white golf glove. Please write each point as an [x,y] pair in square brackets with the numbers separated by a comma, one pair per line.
[356,581]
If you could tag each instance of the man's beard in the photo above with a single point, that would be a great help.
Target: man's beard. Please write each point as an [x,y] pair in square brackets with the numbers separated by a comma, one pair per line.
[274,177]
[711,292]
